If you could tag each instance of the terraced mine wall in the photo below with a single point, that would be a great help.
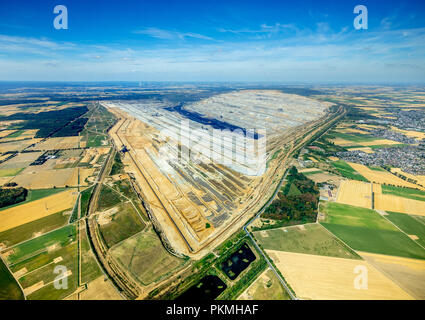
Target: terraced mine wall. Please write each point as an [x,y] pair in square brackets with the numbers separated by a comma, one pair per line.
[203,202]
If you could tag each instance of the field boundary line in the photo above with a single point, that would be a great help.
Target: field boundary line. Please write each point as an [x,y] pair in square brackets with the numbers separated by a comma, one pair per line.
[402,231]
[19,243]
[13,276]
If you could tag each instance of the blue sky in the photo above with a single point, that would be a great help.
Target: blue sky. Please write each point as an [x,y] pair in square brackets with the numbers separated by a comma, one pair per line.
[277,41]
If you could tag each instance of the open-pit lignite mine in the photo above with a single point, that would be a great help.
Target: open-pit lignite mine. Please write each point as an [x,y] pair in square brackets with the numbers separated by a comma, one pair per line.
[204,168]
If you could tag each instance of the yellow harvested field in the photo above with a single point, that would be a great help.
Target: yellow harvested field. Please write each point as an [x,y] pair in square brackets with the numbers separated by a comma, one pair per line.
[308,170]
[364,149]
[343,142]
[347,143]
[27,134]
[5,133]
[351,130]
[58,143]
[332,158]
[34,178]
[100,289]
[420,179]
[329,278]
[4,180]
[378,142]
[17,145]
[408,273]
[388,202]
[34,210]
[380,176]
[411,134]
[355,193]
[265,287]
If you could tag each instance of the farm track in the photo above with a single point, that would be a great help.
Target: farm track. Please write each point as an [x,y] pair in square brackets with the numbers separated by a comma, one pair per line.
[118,278]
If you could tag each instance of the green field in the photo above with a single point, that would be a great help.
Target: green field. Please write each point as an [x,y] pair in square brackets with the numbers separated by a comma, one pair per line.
[310,173]
[85,199]
[108,198]
[14,134]
[354,137]
[409,225]
[404,192]
[95,141]
[26,231]
[125,188]
[37,245]
[125,223]
[10,172]
[90,270]
[9,288]
[117,166]
[45,271]
[313,240]
[271,289]
[36,194]
[365,230]
[347,171]
[144,256]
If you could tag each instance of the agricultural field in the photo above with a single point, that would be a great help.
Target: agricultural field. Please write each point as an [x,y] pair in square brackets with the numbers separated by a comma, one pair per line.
[9,288]
[266,287]
[90,270]
[85,198]
[320,277]
[10,172]
[40,178]
[347,171]
[420,179]
[409,274]
[404,192]
[20,161]
[145,258]
[386,199]
[36,194]
[411,226]
[366,230]
[108,198]
[17,145]
[355,193]
[34,210]
[26,250]
[58,143]
[100,289]
[309,238]
[358,140]
[380,176]
[19,135]
[34,228]
[33,263]
[119,223]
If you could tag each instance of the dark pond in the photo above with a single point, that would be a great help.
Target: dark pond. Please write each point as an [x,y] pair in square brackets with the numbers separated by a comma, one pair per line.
[216,124]
[238,261]
[208,288]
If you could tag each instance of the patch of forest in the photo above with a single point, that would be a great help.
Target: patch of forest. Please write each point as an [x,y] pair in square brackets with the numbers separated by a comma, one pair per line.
[297,201]
[49,123]
[9,196]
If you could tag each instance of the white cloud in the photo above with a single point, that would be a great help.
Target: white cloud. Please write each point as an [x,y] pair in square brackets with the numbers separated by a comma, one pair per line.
[171,35]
